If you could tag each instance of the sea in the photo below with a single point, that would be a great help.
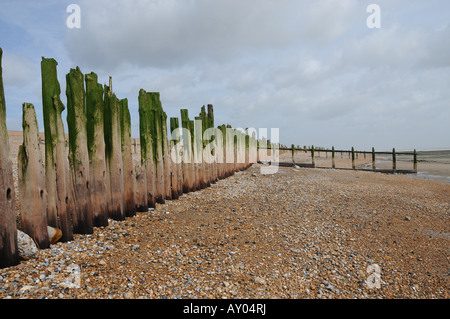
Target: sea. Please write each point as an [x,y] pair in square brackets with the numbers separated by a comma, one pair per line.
[431,164]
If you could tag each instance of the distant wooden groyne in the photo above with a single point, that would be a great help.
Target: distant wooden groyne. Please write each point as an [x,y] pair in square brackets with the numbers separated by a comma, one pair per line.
[353,155]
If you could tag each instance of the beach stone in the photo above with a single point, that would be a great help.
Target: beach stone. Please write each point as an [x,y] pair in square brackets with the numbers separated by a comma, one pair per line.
[408,218]
[260,281]
[54,234]
[26,246]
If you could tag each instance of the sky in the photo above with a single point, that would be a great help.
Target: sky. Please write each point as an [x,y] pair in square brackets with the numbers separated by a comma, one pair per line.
[313,69]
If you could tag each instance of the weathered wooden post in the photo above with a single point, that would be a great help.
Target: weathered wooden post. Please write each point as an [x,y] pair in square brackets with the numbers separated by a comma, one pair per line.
[203,165]
[78,151]
[312,156]
[58,179]
[293,153]
[157,141]
[394,160]
[198,152]
[31,180]
[141,192]
[188,163]
[129,178]
[214,166]
[113,154]
[166,156]
[415,160]
[96,149]
[373,159]
[353,158]
[221,156]
[148,156]
[230,150]
[177,184]
[194,159]
[9,254]
[333,164]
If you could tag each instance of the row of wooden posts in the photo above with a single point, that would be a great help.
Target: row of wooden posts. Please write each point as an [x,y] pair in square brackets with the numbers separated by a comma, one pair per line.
[79,187]
[353,154]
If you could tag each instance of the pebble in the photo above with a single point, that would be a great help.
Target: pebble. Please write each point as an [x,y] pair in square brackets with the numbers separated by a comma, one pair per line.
[300,232]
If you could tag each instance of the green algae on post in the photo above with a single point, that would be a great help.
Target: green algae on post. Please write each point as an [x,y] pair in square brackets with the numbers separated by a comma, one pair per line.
[113,154]
[78,150]
[60,201]
[31,180]
[127,160]
[158,145]
[9,255]
[96,149]
[147,154]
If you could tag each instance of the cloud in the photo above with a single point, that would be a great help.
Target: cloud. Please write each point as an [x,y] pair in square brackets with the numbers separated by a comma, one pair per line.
[18,71]
[173,33]
[301,65]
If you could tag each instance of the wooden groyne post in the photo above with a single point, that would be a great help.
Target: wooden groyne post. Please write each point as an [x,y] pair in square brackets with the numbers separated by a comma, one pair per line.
[415,160]
[333,163]
[353,158]
[78,151]
[129,177]
[373,159]
[31,180]
[394,160]
[188,163]
[147,151]
[177,172]
[58,182]
[293,153]
[9,255]
[96,149]
[113,154]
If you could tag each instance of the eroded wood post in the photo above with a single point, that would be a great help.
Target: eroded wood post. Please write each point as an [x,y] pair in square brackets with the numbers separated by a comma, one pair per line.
[157,141]
[222,153]
[188,163]
[58,179]
[373,159]
[214,166]
[394,160]
[113,154]
[146,141]
[293,153]
[312,156]
[31,180]
[353,158]
[129,178]
[96,148]
[78,151]
[198,152]
[333,163]
[9,255]
[177,172]
[141,192]
[166,156]
[203,165]
[415,160]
